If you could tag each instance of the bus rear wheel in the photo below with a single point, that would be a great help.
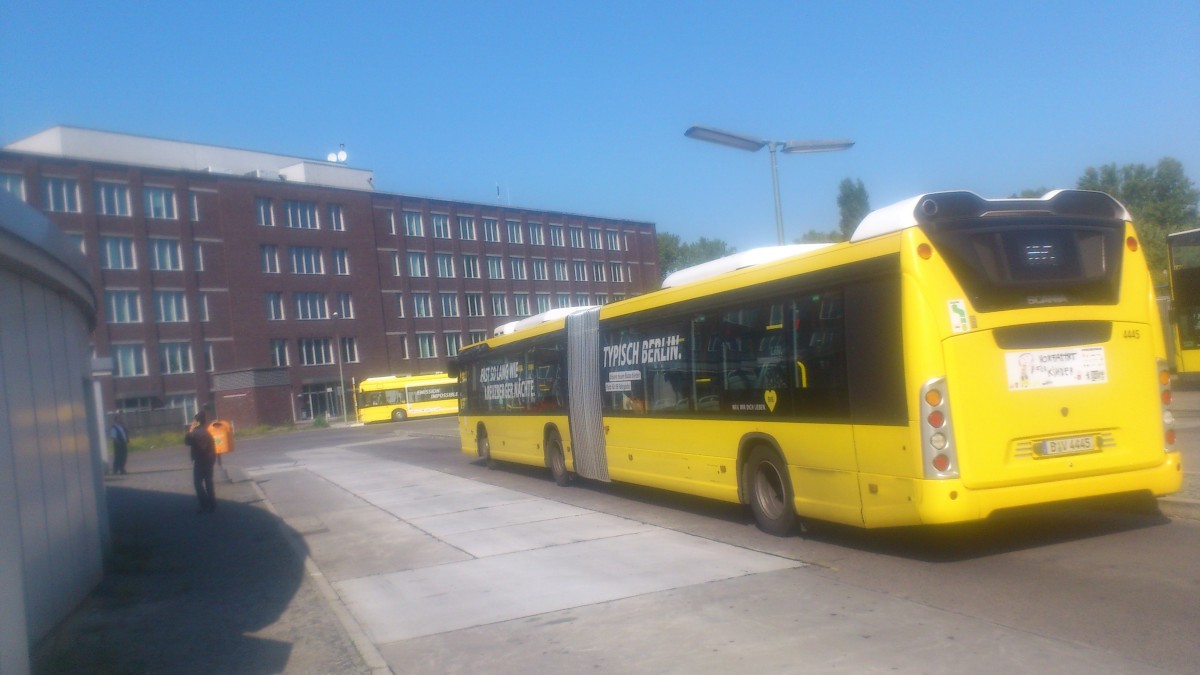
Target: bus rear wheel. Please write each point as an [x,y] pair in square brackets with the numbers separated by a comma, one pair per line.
[398,415]
[555,461]
[770,492]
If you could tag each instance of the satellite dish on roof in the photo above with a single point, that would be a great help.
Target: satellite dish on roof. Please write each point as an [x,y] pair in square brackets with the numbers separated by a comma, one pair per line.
[339,156]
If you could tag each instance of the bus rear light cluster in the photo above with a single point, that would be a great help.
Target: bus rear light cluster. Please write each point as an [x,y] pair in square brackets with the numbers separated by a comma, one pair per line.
[1165,397]
[938,453]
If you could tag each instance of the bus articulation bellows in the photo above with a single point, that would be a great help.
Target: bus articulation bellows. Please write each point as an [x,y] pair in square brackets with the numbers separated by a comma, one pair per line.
[958,356]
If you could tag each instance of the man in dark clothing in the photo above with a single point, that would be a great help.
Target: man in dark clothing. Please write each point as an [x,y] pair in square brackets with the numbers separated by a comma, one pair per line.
[120,439]
[204,456]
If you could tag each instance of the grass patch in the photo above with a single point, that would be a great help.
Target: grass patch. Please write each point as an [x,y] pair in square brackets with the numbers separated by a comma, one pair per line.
[174,439]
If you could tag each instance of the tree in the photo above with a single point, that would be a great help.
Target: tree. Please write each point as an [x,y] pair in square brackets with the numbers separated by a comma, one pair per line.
[1160,199]
[854,205]
[815,237]
[674,254]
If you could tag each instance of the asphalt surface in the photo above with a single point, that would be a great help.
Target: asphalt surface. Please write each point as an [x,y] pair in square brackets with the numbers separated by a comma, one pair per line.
[243,590]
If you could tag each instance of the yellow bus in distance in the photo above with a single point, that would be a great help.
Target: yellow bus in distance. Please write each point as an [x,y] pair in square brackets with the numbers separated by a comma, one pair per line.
[382,399]
[957,357]
[1183,250]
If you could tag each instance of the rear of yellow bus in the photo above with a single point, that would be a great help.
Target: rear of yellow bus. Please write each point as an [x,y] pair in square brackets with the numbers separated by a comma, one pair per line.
[1034,350]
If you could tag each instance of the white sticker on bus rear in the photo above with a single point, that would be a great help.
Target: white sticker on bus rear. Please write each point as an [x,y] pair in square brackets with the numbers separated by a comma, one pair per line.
[1045,368]
[958,316]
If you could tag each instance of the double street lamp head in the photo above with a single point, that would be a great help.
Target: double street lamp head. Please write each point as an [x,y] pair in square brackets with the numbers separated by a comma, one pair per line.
[754,144]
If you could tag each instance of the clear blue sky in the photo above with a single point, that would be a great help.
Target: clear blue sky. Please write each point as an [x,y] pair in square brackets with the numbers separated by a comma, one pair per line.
[581,106]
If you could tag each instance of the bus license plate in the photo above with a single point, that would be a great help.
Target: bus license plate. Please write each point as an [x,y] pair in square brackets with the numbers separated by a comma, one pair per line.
[1067,446]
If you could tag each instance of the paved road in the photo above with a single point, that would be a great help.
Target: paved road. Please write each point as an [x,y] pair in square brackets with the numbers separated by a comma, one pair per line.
[446,566]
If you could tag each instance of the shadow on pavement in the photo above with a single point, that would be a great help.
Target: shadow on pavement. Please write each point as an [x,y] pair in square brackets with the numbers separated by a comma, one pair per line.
[183,592]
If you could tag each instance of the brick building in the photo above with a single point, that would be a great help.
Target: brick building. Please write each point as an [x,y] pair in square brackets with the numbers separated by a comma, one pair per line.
[218,268]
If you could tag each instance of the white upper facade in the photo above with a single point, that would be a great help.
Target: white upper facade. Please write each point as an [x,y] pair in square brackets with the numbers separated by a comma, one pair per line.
[106,146]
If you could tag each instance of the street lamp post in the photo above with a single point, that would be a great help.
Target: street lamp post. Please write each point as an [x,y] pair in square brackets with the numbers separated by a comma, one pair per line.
[754,144]
[341,379]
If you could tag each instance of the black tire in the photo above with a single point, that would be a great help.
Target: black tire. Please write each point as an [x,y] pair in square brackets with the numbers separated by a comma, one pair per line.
[769,491]
[555,460]
[484,447]
[398,415]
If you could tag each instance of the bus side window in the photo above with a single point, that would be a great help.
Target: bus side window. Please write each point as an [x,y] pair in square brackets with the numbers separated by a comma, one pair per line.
[820,355]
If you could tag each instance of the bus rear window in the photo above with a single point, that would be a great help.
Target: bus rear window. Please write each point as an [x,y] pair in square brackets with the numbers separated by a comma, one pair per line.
[1013,262]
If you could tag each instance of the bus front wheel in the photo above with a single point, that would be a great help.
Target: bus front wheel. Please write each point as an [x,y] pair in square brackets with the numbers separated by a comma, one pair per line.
[484,447]
[555,460]
[770,492]
[398,415]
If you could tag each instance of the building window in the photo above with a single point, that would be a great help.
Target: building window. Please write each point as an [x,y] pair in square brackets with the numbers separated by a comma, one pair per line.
[193,206]
[491,230]
[307,260]
[62,195]
[337,221]
[78,241]
[345,305]
[274,302]
[576,237]
[416,265]
[399,306]
[615,272]
[597,271]
[349,350]
[594,238]
[514,231]
[135,404]
[341,261]
[266,214]
[112,199]
[556,235]
[129,360]
[170,307]
[116,253]
[466,228]
[422,306]
[389,215]
[174,358]
[579,268]
[412,224]
[197,256]
[542,302]
[521,304]
[123,306]
[13,184]
[202,305]
[402,344]
[279,353]
[539,270]
[562,299]
[601,299]
[426,347]
[495,266]
[470,266]
[453,342]
[449,305]
[184,403]
[315,351]
[210,360]
[560,270]
[159,202]
[474,304]
[164,255]
[445,265]
[581,300]
[397,268]
[441,225]
[269,258]
[499,304]
[477,336]
[310,306]
[614,240]
[301,215]
[517,265]
[536,235]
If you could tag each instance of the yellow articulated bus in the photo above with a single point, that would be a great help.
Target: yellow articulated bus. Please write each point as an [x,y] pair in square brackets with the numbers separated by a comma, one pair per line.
[957,357]
[1184,254]
[381,399]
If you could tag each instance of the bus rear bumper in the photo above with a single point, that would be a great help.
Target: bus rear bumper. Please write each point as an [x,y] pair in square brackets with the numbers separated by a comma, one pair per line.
[931,502]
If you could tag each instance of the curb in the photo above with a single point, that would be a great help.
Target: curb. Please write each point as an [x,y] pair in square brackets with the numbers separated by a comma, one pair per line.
[366,649]
[1186,509]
